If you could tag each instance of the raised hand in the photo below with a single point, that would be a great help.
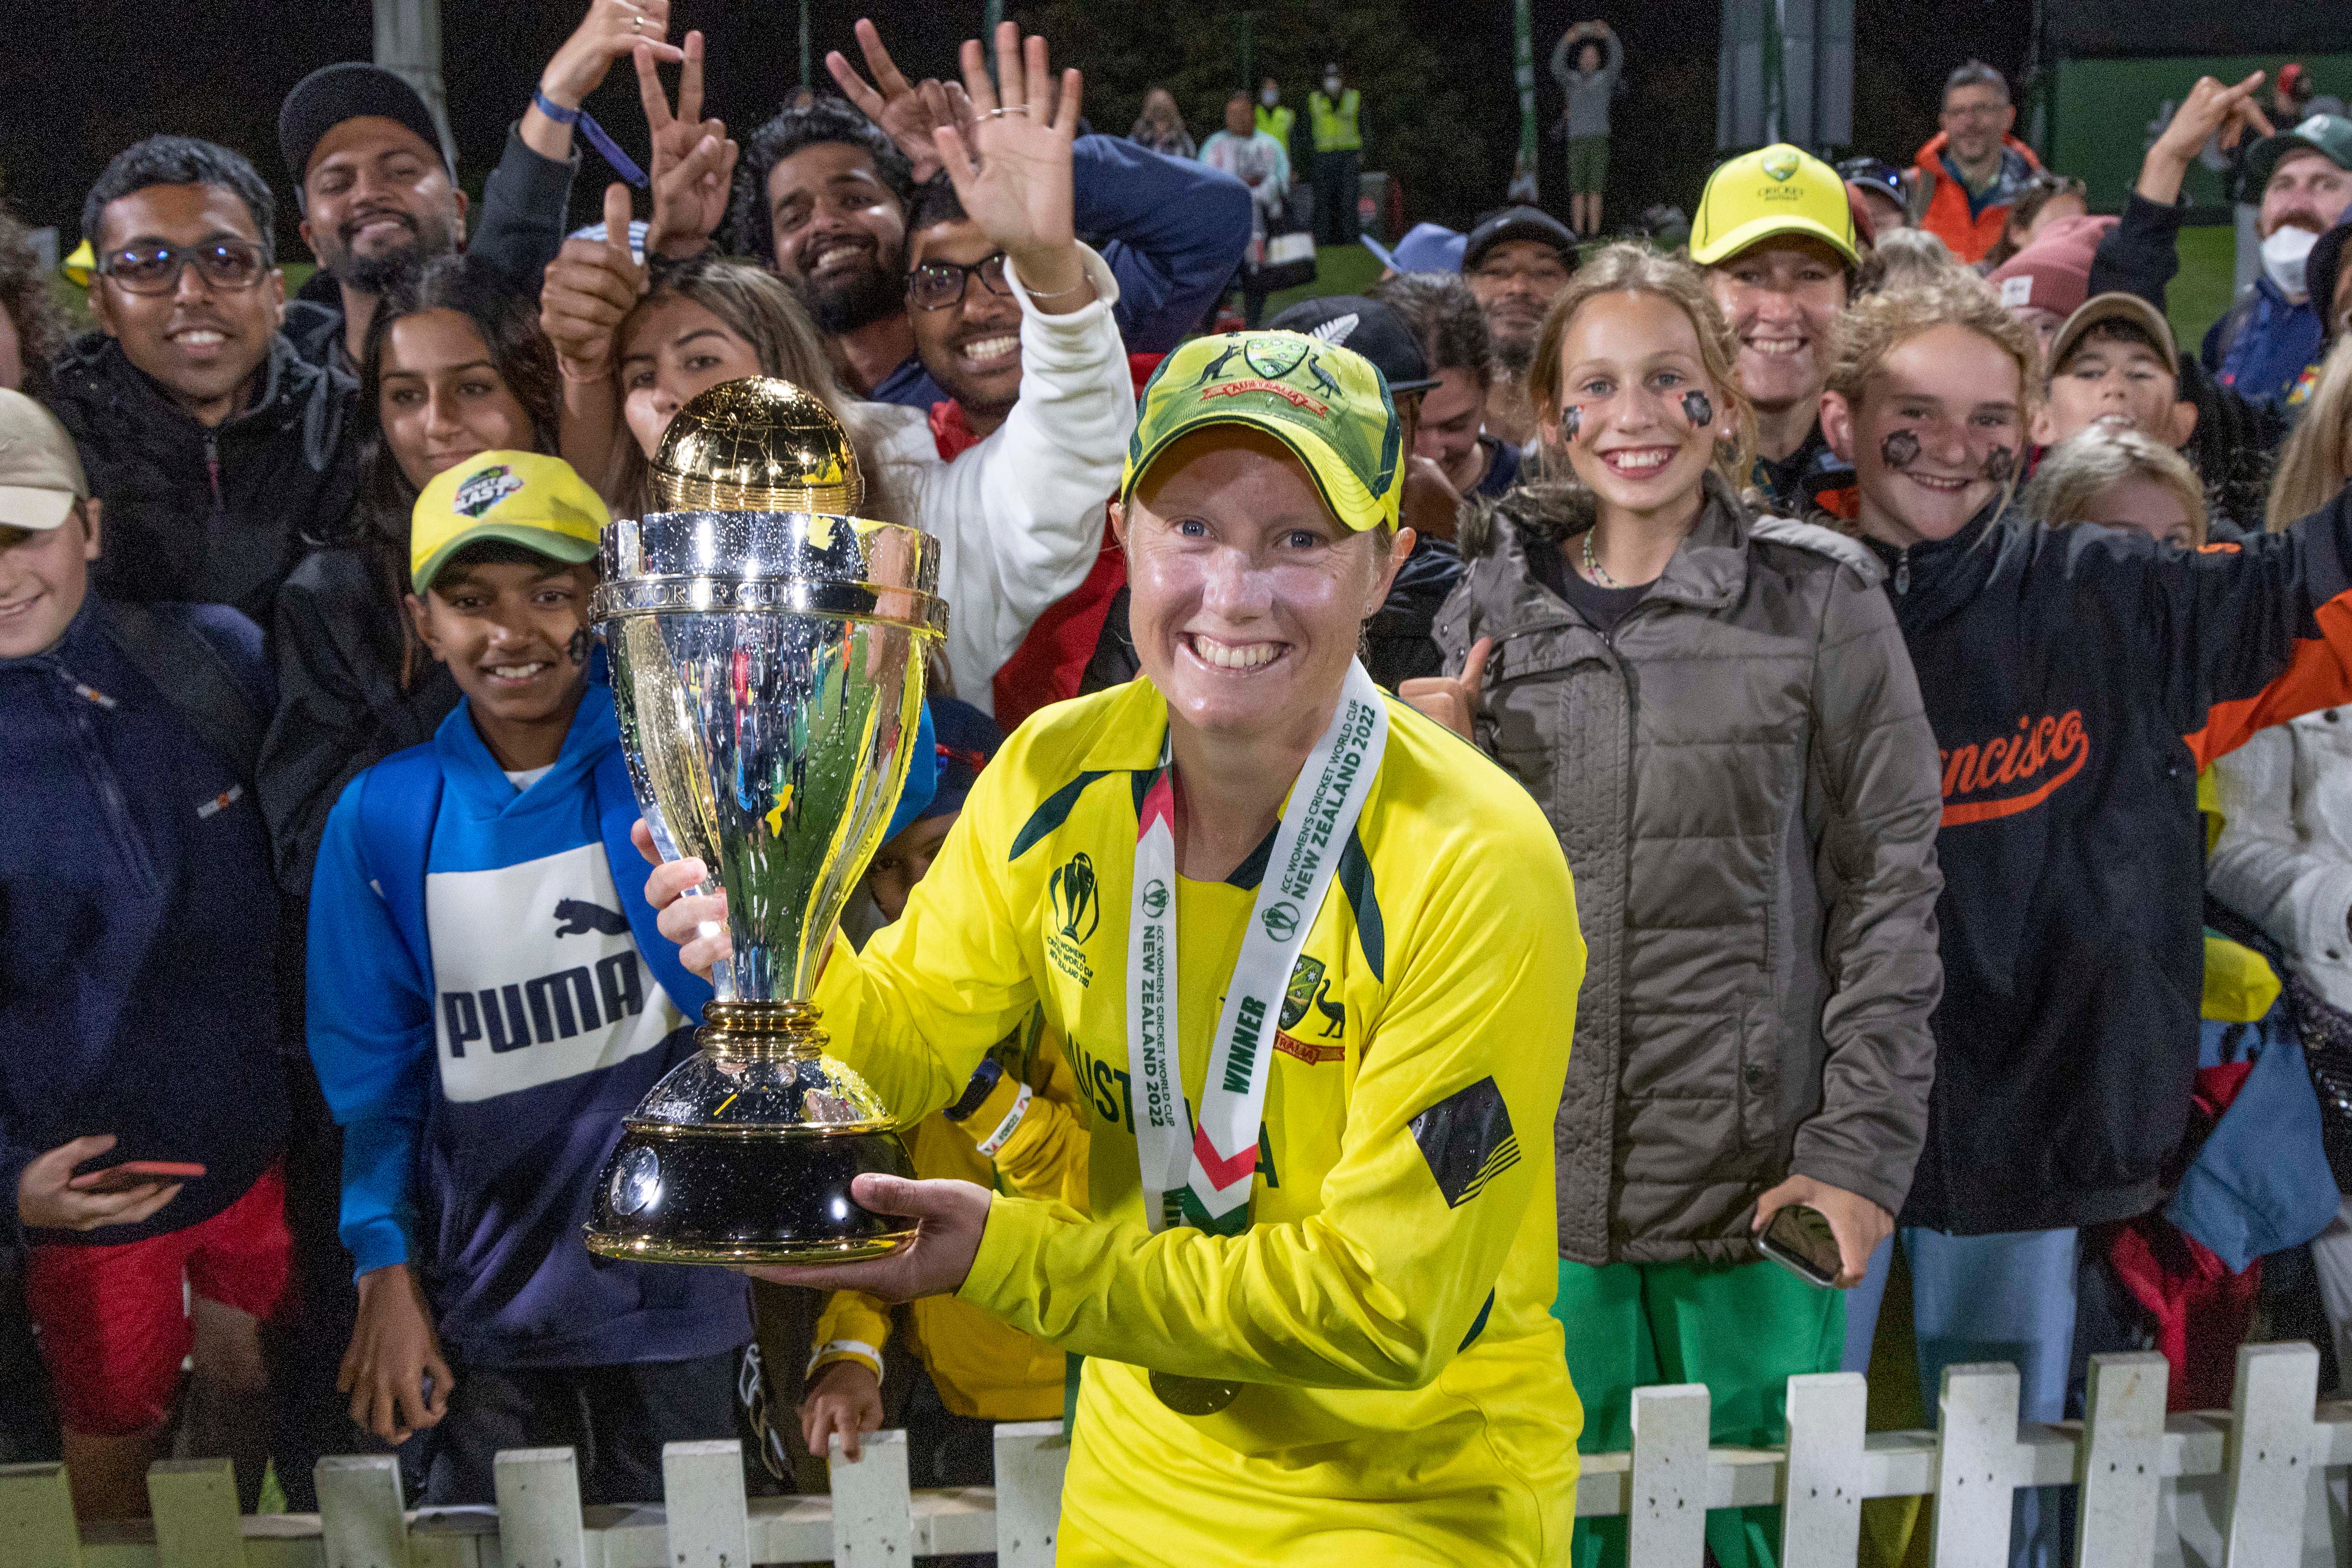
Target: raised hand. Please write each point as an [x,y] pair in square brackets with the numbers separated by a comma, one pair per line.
[906,114]
[590,287]
[694,160]
[1011,165]
[611,29]
[2211,110]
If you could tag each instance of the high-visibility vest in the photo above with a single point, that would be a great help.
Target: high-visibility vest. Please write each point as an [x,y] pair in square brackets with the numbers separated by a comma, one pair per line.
[1276,122]
[1335,132]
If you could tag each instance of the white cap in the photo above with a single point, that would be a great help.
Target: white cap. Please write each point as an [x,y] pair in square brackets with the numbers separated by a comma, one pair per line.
[40,472]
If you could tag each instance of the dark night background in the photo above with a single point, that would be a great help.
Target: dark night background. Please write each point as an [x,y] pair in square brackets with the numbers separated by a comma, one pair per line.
[81,82]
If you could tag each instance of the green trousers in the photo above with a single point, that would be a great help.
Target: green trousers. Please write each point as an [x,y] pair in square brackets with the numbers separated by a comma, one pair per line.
[1743,1329]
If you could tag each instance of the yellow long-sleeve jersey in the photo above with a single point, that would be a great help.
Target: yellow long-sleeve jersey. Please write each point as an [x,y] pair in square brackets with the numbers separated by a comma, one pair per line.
[981,1367]
[1388,1310]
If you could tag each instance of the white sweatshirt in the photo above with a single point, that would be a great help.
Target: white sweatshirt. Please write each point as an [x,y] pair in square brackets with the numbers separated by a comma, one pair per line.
[2284,859]
[1019,518]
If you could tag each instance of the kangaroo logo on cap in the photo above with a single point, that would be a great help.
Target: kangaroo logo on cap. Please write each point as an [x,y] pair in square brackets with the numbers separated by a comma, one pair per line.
[485,490]
[1780,164]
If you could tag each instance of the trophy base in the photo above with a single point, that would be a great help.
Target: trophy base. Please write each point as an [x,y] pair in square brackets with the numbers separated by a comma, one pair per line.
[745,1195]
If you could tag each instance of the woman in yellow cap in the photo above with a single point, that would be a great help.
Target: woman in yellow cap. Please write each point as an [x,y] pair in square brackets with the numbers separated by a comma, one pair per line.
[1257,896]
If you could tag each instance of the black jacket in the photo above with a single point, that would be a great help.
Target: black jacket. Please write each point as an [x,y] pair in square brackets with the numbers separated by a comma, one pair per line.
[337,645]
[2235,440]
[209,514]
[2076,680]
[524,213]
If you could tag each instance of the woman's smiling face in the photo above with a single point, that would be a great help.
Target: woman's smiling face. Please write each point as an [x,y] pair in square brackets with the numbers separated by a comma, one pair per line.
[1246,596]
[671,349]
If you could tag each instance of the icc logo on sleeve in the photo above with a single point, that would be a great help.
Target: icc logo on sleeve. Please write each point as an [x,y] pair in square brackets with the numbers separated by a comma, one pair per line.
[1077,914]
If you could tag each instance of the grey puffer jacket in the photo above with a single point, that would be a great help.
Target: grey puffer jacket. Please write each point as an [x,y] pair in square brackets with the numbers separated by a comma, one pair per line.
[1744,781]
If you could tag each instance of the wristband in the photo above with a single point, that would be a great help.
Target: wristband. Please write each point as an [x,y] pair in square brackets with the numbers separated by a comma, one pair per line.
[606,148]
[984,1080]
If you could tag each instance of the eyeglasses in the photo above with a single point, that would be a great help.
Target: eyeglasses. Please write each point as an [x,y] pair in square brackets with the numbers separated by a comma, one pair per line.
[155,269]
[935,285]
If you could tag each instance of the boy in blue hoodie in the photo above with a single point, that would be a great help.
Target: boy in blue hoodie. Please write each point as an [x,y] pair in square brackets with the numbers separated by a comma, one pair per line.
[487,999]
[138,1011]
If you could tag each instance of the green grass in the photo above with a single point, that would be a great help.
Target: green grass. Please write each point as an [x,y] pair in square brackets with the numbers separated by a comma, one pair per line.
[1338,269]
[2202,292]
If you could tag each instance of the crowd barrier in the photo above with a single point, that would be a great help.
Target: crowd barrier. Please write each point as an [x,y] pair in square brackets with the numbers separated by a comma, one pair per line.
[2262,1486]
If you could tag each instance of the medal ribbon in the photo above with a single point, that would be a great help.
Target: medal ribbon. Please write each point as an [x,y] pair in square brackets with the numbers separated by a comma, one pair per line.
[1201,1177]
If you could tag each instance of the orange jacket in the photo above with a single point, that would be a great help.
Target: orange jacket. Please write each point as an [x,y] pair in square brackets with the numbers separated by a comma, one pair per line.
[1945,213]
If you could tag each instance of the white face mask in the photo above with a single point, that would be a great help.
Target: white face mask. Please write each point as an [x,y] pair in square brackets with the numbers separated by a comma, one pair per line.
[1331,87]
[2283,254]
[1269,98]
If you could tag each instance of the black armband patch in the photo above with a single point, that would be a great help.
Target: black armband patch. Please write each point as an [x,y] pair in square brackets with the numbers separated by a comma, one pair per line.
[1467,1140]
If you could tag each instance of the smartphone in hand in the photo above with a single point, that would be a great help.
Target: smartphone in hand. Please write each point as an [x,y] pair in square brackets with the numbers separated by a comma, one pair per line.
[1799,1239]
[132,1173]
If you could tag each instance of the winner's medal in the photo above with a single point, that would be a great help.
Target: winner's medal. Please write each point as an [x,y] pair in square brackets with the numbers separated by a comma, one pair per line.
[1201,1177]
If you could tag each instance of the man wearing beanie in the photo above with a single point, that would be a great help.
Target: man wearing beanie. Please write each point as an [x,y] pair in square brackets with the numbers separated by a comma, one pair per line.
[379,190]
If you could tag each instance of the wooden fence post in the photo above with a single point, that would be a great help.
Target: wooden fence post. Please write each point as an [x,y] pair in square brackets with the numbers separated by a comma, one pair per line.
[2118,1464]
[539,1508]
[37,1517]
[1821,1507]
[2269,1447]
[1976,1467]
[1030,1459]
[1665,1525]
[709,1518]
[873,1511]
[360,1521]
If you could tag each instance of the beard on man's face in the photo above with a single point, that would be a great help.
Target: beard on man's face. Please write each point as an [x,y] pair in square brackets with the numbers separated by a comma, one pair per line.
[429,237]
[857,293]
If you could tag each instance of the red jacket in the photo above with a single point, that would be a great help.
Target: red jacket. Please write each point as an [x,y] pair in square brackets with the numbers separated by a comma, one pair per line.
[1946,215]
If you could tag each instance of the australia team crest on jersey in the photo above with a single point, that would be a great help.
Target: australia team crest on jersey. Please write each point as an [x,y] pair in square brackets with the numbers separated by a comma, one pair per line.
[1313,1023]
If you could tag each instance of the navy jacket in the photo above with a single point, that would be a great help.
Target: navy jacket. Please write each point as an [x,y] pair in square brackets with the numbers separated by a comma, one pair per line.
[138,920]
[1172,232]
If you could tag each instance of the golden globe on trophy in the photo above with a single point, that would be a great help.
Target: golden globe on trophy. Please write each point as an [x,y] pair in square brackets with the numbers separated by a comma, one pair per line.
[767,650]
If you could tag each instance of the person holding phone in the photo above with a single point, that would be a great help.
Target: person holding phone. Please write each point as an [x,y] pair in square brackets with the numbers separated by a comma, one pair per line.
[143,1097]
[1715,710]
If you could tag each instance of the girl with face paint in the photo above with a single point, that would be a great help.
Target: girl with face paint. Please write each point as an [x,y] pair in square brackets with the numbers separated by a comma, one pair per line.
[2076,679]
[1716,711]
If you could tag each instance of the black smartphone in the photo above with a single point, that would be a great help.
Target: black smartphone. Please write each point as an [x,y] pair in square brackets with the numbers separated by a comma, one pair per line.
[1799,1240]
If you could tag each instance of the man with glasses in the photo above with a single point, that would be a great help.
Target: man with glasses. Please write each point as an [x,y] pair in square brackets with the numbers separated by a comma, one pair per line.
[1517,261]
[1972,170]
[219,451]
[824,194]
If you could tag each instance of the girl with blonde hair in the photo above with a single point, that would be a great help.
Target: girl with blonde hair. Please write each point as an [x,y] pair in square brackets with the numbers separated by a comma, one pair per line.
[1714,709]
[2318,459]
[2076,679]
[2113,474]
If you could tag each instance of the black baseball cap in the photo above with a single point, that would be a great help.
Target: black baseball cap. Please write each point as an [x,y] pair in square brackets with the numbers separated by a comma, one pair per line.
[1876,173]
[333,94]
[1371,328]
[1518,223]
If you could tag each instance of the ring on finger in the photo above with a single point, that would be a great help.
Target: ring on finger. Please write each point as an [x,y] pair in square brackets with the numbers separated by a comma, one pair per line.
[1008,108]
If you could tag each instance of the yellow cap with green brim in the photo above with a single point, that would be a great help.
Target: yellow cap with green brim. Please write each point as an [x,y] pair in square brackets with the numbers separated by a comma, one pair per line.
[1326,403]
[522,497]
[1779,190]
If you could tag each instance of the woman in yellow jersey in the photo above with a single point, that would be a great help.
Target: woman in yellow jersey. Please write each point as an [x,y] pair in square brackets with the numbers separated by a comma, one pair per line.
[1255,895]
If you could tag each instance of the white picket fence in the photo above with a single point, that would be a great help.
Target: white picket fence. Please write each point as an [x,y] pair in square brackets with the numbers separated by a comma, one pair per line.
[2262,1486]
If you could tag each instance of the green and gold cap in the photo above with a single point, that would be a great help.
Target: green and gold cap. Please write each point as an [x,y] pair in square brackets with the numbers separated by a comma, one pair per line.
[524,497]
[1776,191]
[1323,402]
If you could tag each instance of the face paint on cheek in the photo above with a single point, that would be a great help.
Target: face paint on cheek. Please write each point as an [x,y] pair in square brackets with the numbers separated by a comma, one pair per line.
[1999,464]
[1572,423]
[1899,450]
[1697,409]
[583,644]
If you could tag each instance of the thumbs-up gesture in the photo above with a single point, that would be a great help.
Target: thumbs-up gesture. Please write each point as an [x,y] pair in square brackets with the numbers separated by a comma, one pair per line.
[1453,699]
[590,288]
